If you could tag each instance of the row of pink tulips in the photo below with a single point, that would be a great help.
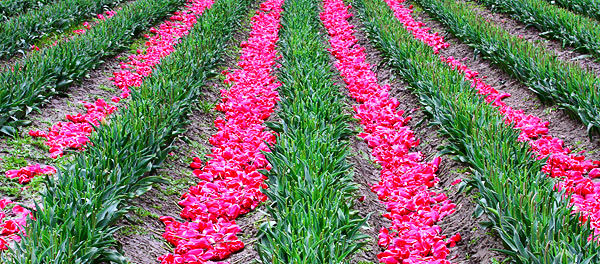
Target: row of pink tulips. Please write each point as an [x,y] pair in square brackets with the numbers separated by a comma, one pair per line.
[573,171]
[230,182]
[406,179]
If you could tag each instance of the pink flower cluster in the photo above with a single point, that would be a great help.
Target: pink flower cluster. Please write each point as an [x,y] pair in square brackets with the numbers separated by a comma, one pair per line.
[417,28]
[75,134]
[87,25]
[231,182]
[405,180]
[570,168]
[27,173]
[12,223]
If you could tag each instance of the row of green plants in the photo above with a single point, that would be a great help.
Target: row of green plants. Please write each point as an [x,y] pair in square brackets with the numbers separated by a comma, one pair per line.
[10,8]
[590,8]
[310,184]
[51,71]
[75,218]
[573,89]
[19,33]
[571,29]
[533,220]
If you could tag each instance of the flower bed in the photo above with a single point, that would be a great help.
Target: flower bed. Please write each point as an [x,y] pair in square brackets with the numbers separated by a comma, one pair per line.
[230,182]
[535,222]
[74,134]
[116,167]
[406,179]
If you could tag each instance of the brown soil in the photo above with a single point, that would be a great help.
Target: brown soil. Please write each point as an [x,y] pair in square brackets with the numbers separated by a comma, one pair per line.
[365,174]
[532,34]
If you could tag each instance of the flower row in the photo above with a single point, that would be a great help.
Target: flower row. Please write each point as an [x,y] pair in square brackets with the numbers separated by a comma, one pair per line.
[230,182]
[11,222]
[520,201]
[75,134]
[570,168]
[406,180]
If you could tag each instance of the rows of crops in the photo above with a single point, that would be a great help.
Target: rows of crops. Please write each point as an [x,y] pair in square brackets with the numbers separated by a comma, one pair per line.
[202,131]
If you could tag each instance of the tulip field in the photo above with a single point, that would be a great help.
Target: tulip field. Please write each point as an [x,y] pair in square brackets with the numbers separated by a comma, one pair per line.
[299,131]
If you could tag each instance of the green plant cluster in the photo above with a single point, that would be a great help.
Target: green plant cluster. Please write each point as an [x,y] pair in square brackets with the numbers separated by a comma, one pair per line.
[10,8]
[573,89]
[590,8]
[310,183]
[17,34]
[54,69]
[534,221]
[75,219]
[571,29]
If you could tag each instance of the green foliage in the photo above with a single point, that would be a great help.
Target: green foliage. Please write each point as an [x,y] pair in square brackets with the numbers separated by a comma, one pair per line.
[10,8]
[554,22]
[590,8]
[88,196]
[53,70]
[310,183]
[573,89]
[533,220]
[20,32]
